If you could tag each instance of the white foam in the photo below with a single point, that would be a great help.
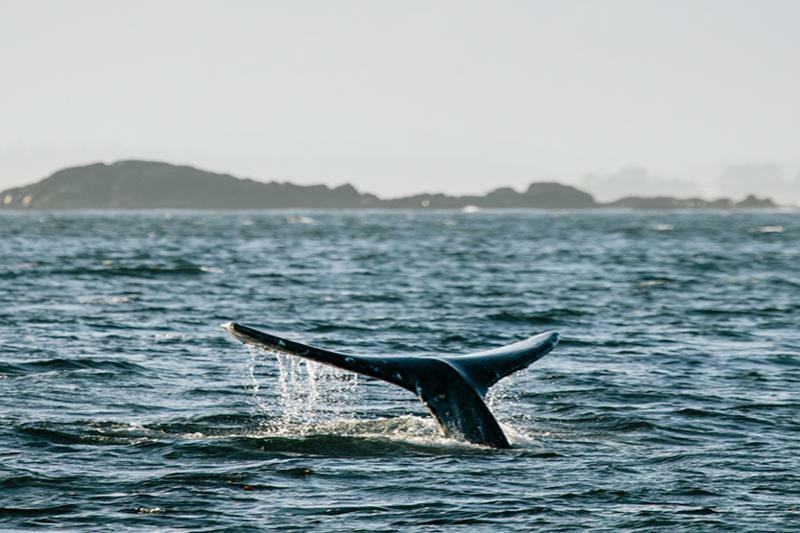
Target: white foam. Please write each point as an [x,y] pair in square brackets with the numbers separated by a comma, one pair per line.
[770,229]
[300,219]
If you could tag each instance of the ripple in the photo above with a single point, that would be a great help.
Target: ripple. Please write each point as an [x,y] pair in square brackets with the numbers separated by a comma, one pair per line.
[671,401]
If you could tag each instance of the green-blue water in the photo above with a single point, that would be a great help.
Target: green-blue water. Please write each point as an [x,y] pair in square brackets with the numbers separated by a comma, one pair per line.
[672,402]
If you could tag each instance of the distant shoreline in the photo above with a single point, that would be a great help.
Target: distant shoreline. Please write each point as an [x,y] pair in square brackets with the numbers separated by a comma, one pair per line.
[149,185]
[397,210]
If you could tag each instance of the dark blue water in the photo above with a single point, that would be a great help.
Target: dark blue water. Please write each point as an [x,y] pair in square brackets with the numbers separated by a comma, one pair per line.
[673,400]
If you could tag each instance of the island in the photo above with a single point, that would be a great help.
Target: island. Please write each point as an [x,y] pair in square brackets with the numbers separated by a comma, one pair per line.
[137,184]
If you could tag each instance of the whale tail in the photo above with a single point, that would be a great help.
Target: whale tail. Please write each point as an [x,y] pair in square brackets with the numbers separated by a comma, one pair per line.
[453,387]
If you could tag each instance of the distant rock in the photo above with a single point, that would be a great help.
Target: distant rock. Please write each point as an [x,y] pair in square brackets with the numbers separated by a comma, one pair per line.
[156,185]
[550,195]
[538,196]
[753,202]
[667,202]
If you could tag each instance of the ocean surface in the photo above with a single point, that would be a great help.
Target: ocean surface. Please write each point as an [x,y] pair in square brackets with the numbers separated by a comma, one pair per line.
[672,402]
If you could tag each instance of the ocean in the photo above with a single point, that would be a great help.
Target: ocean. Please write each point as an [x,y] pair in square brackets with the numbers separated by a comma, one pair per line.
[672,401]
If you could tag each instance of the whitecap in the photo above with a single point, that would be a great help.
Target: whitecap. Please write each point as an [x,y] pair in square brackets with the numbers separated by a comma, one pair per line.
[300,219]
[652,283]
[770,229]
[104,300]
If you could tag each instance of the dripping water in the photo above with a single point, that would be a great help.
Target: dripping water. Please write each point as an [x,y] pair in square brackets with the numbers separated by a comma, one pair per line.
[293,395]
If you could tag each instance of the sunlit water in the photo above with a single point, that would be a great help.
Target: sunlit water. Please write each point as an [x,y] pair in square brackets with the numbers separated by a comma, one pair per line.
[672,402]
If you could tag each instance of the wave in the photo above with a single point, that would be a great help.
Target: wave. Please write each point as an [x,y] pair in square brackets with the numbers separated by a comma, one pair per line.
[62,364]
[140,271]
[550,316]
[38,511]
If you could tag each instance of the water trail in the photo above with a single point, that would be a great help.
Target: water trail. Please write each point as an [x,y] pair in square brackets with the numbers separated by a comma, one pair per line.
[503,399]
[296,395]
[502,395]
[251,370]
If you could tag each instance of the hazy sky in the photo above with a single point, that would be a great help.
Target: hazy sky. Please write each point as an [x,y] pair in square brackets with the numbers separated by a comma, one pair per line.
[696,96]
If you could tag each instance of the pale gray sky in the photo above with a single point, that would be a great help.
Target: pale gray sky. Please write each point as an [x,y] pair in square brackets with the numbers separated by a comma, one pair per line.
[406,96]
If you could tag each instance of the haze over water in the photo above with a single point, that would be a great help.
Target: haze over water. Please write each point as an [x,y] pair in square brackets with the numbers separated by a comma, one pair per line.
[620,97]
[670,403]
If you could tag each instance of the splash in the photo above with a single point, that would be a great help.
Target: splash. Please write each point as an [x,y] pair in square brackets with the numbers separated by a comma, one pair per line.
[295,397]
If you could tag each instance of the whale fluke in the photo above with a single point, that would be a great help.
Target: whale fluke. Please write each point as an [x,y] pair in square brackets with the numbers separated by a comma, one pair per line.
[453,387]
